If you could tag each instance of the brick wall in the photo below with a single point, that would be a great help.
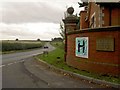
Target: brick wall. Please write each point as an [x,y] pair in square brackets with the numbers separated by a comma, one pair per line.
[106,18]
[115,20]
[101,15]
[83,24]
[103,62]
[94,11]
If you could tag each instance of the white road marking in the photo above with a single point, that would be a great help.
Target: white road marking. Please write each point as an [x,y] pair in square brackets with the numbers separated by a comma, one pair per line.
[12,63]
[2,66]
[34,54]
[9,64]
[21,61]
[15,62]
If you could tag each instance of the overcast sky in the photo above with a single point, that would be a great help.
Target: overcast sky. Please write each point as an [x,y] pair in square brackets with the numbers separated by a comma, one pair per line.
[33,19]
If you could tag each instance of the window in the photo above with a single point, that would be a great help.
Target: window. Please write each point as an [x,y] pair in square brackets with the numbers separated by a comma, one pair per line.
[92,21]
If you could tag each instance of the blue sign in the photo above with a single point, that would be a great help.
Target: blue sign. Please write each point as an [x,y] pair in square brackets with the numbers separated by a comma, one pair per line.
[82,47]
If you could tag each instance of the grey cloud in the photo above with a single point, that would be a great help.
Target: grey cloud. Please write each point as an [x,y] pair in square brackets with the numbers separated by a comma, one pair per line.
[22,12]
[12,31]
[19,33]
[16,32]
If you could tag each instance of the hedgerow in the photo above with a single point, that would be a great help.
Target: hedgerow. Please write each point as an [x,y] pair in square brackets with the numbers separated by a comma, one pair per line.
[19,45]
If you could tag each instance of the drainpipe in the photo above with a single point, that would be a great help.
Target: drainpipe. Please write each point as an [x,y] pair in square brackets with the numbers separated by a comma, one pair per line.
[65,45]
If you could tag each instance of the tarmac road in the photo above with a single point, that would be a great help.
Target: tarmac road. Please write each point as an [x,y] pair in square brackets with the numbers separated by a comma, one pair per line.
[16,57]
[19,70]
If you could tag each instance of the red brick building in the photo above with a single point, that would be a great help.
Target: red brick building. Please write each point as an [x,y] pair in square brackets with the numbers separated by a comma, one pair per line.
[100,14]
[95,47]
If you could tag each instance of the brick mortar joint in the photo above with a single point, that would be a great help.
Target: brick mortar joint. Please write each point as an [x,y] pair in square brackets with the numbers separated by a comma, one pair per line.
[102,63]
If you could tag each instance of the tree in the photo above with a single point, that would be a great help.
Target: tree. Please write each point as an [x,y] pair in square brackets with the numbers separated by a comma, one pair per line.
[83,3]
[38,39]
[58,39]
[16,39]
[62,31]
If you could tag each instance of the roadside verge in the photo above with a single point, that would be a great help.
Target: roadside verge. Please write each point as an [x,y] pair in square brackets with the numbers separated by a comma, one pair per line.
[78,76]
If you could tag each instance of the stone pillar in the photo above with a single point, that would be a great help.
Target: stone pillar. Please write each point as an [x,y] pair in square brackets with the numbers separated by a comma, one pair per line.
[71,20]
[70,24]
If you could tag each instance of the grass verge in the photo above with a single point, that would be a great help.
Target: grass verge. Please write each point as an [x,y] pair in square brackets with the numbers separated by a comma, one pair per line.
[56,58]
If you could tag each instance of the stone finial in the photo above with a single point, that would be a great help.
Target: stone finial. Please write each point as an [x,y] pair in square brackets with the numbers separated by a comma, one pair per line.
[70,10]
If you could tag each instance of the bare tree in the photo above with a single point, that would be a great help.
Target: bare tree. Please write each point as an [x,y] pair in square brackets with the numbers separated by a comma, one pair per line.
[62,31]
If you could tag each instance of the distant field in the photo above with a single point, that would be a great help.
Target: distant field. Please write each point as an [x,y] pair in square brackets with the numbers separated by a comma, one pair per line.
[11,45]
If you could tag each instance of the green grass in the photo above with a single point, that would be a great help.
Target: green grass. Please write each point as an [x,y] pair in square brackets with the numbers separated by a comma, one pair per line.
[13,46]
[59,63]
[52,56]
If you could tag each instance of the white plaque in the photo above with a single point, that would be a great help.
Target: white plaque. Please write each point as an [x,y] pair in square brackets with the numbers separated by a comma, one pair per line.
[82,47]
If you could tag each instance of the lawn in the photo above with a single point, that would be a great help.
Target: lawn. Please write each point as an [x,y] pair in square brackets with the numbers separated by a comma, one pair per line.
[56,58]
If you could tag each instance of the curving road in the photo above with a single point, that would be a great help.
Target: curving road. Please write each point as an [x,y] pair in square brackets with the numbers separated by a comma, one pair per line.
[16,75]
[8,58]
